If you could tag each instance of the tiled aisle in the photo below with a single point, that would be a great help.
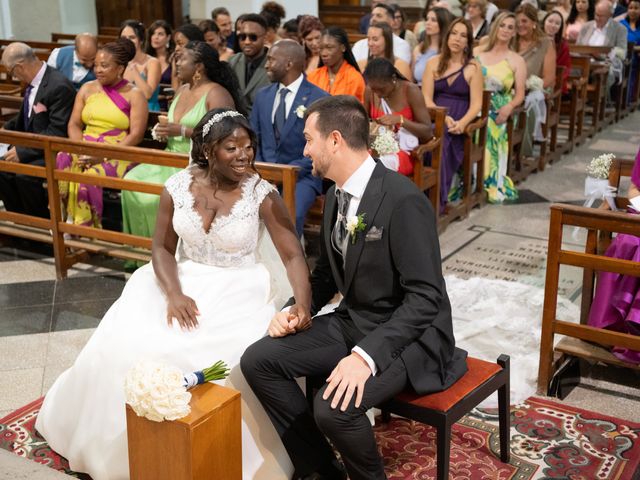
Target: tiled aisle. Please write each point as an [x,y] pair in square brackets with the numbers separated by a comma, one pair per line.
[44,323]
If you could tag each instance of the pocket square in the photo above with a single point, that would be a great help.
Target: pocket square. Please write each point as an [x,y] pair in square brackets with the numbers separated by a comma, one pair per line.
[373,234]
[39,108]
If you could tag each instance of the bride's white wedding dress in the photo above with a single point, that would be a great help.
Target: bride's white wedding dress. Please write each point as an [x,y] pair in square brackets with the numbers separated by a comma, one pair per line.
[83,415]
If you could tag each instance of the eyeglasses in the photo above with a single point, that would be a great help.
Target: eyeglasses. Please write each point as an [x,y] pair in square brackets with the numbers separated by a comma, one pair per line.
[251,36]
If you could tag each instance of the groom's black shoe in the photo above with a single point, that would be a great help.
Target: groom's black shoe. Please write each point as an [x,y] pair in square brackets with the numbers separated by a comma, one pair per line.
[335,472]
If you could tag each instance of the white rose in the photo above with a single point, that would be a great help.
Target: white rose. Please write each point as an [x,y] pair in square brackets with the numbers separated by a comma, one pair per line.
[352,223]
[300,111]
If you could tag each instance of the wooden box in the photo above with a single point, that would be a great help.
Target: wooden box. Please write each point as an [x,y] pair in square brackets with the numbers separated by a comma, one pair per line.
[204,445]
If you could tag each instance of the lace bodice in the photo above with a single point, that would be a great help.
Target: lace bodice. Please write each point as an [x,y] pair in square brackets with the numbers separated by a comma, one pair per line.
[232,238]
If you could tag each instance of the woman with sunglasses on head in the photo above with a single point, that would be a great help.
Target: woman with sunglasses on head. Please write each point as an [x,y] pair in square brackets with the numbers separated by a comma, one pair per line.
[338,73]
[144,71]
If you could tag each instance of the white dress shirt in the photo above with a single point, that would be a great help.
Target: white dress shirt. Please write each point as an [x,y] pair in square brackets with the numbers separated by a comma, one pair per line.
[293,88]
[598,38]
[401,49]
[79,70]
[35,84]
[355,186]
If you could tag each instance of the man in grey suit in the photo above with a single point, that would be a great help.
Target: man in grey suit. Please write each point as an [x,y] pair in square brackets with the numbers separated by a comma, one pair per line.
[603,31]
[249,63]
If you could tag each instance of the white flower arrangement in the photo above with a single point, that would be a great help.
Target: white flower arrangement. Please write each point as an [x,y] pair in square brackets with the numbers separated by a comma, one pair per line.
[385,142]
[599,166]
[618,52]
[155,136]
[534,83]
[355,224]
[300,111]
[159,392]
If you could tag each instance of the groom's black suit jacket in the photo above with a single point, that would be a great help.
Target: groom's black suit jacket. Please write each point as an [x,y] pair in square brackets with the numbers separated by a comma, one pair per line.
[392,285]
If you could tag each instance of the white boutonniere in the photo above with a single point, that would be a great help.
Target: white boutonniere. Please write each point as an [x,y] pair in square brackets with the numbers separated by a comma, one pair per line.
[300,111]
[355,224]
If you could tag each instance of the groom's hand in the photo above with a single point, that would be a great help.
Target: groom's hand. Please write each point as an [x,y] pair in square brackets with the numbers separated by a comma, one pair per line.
[350,375]
[303,315]
[282,324]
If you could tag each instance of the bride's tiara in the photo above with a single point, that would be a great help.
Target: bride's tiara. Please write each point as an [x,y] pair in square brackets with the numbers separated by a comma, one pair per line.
[216,118]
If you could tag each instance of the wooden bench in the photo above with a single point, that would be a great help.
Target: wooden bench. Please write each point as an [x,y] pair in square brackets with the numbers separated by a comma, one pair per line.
[473,195]
[518,168]
[107,242]
[10,105]
[595,221]
[572,108]
[549,146]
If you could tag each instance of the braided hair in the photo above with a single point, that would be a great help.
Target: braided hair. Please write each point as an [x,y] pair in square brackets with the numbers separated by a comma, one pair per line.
[122,50]
[217,71]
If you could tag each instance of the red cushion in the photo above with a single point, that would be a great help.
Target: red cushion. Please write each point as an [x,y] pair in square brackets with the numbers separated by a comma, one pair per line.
[478,372]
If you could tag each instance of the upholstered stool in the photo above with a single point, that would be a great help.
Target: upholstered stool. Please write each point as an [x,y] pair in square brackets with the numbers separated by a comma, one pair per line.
[441,410]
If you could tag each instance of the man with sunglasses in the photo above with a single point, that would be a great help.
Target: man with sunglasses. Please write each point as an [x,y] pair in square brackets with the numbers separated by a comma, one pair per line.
[46,108]
[249,64]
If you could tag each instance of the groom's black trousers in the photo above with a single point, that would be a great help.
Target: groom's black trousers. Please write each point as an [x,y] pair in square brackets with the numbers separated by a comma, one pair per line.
[271,365]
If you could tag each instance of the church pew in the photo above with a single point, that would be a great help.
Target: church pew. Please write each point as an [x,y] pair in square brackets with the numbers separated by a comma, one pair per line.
[475,140]
[572,106]
[634,101]
[518,168]
[548,147]
[108,242]
[10,105]
[594,220]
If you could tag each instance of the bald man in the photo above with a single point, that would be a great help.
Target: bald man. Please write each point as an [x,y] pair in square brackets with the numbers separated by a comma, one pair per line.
[277,118]
[76,61]
[603,31]
[46,108]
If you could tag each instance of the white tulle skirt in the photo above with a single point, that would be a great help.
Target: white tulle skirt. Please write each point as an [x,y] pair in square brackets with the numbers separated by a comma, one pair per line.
[83,415]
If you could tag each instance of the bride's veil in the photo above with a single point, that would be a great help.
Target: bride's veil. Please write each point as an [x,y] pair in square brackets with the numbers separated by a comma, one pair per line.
[267,254]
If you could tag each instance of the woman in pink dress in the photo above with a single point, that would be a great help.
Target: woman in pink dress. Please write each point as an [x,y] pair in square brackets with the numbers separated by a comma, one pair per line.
[616,304]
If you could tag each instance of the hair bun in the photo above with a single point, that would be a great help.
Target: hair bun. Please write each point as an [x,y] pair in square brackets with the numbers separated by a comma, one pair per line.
[128,48]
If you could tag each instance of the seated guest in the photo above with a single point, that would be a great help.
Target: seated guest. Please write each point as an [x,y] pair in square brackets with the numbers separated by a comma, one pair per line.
[338,73]
[143,71]
[222,17]
[582,11]
[505,72]
[619,8]
[437,23]
[160,45]
[379,38]
[399,29]
[277,119]
[454,80]
[212,36]
[616,304]
[563,7]
[603,31]
[76,61]
[553,26]
[382,13]
[273,14]
[249,64]
[476,14]
[630,22]
[197,66]
[107,110]
[184,34]
[396,103]
[309,31]
[539,54]
[46,108]
[236,31]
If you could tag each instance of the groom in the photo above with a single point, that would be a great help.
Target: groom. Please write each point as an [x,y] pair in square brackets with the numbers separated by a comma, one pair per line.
[392,328]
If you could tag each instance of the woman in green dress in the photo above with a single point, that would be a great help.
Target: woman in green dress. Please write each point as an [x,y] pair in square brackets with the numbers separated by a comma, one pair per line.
[197,66]
[505,74]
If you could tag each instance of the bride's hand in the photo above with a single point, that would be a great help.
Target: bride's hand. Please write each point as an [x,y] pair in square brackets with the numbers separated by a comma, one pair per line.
[184,310]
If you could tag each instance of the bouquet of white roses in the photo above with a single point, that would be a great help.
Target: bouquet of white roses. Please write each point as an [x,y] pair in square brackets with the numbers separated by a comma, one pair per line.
[534,83]
[159,392]
[599,166]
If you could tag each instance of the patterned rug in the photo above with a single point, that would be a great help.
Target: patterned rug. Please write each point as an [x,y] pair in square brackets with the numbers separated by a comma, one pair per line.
[548,441]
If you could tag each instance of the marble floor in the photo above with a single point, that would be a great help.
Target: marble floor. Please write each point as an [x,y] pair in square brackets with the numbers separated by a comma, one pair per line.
[44,323]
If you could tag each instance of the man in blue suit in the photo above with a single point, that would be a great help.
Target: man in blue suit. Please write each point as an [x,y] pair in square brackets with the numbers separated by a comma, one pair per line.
[278,120]
[76,61]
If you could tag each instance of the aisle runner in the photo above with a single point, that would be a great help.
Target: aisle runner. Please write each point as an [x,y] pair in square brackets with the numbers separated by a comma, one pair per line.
[548,440]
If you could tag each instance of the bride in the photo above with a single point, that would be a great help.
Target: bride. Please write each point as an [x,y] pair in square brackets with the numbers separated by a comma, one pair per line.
[204,297]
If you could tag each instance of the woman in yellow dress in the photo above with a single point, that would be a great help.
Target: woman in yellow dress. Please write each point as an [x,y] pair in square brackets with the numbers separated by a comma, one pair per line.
[106,110]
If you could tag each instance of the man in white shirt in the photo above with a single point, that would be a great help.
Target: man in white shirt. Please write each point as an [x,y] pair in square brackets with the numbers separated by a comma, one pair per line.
[382,13]
[603,31]
[76,61]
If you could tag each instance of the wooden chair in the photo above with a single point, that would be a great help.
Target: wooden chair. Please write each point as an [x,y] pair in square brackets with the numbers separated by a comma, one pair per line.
[597,87]
[443,409]
[427,177]
[473,194]
[634,94]
[518,168]
[572,108]
[548,147]
[595,221]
